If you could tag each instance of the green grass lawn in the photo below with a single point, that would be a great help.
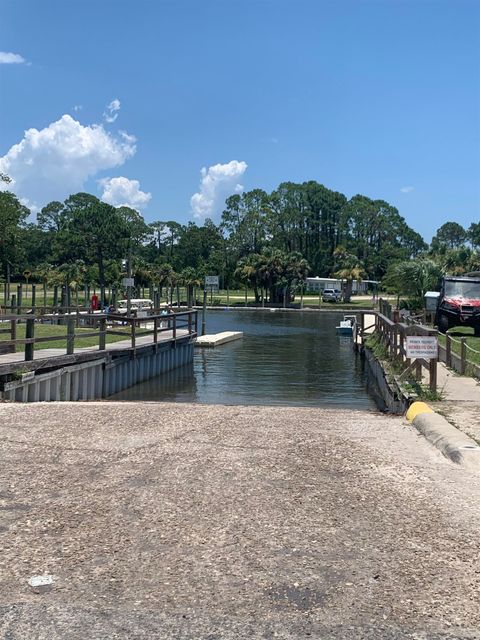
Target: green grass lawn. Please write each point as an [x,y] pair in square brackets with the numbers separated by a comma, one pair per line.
[47,330]
[463,332]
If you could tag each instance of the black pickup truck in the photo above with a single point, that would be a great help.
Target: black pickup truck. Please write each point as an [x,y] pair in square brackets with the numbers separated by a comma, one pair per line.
[459,302]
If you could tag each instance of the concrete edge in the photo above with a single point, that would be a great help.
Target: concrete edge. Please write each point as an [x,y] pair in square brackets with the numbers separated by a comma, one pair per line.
[454,445]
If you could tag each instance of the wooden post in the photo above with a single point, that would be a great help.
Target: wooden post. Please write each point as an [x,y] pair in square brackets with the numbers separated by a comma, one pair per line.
[132,334]
[101,336]
[205,310]
[19,299]
[70,336]
[189,323]
[174,326]
[448,351]
[13,329]
[463,355]
[155,330]
[34,297]
[432,368]
[196,322]
[13,305]
[29,333]
[418,370]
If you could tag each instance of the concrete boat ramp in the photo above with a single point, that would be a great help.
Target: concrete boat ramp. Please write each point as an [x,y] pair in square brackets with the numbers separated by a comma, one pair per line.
[174,521]
[217,339]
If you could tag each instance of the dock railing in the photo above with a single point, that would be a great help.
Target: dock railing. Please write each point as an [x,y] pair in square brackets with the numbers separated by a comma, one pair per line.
[183,323]
[393,334]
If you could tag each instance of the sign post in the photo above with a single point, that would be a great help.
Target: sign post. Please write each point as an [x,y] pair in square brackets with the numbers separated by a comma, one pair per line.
[425,348]
[210,284]
[26,274]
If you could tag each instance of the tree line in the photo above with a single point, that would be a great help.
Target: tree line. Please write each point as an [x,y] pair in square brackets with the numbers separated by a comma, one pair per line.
[267,241]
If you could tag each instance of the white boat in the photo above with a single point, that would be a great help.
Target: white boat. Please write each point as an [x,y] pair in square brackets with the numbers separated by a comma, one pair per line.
[347,326]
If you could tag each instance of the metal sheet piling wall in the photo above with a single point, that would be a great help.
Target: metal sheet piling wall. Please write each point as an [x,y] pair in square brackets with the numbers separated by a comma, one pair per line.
[102,377]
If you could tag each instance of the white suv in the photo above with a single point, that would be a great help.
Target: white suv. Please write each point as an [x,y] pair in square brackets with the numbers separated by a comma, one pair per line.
[331,295]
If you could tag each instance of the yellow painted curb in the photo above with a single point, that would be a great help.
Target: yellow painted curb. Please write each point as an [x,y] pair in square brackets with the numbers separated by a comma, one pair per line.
[416,408]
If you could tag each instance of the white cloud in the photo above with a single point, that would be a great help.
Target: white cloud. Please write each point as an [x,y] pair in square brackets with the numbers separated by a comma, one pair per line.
[407,189]
[51,163]
[218,182]
[77,107]
[111,113]
[11,58]
[123,192]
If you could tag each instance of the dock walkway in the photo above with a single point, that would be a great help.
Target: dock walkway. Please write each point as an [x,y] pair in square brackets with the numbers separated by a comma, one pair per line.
[121,345]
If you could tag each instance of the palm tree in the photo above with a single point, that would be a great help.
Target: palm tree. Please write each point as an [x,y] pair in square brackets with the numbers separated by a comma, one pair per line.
[190,279]
[245,272]
[163,276]
[350,269]
[415,277]
[72,274]
[44,272]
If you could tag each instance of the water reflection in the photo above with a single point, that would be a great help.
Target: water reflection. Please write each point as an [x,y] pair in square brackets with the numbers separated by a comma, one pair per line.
[284,358]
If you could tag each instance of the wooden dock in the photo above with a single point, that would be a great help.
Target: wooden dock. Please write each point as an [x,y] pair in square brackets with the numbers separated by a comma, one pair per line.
[148,348]
[217,339]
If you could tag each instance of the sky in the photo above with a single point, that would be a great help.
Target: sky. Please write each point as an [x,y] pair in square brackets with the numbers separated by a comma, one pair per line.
[170,106]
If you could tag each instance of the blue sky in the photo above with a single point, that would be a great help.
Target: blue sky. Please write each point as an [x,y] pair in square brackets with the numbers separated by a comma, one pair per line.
[380,98]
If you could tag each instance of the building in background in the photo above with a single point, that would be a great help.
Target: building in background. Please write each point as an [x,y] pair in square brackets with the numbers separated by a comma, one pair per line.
[362,287]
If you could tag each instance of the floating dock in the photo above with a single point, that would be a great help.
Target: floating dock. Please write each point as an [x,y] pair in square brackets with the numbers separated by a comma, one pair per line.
[217,339]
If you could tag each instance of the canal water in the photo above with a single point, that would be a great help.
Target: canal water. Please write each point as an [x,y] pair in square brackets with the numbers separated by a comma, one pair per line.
[284,358]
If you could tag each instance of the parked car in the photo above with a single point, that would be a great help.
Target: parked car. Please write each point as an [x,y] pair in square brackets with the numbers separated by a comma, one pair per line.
[331,295]
[459,302]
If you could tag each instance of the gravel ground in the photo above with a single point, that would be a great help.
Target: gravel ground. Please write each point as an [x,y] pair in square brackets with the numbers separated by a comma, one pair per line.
[211,522]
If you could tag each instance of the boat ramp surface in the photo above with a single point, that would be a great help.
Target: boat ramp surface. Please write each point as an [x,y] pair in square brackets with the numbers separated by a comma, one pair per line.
[217,339]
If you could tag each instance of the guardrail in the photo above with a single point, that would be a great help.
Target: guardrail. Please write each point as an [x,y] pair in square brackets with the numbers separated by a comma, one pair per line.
[165,322]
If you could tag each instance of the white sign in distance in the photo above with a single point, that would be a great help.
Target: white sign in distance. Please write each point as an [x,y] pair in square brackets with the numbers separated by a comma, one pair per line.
[128,282]
[425,347]
[211,281]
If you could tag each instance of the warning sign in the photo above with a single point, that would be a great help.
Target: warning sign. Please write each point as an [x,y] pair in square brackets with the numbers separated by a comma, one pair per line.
[425,347]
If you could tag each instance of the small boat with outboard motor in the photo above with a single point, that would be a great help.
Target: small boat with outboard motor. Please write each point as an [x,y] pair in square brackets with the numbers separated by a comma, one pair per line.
[347,326]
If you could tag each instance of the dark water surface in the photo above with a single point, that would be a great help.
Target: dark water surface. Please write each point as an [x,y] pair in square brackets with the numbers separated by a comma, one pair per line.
[284,358]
